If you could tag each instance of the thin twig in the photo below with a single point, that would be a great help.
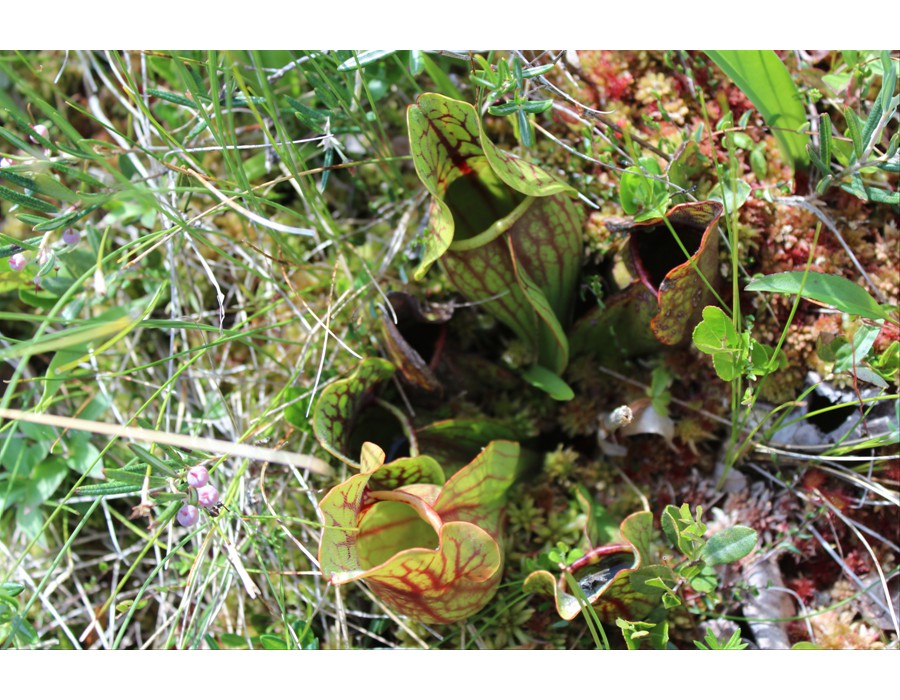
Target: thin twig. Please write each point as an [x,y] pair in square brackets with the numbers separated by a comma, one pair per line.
[187,442]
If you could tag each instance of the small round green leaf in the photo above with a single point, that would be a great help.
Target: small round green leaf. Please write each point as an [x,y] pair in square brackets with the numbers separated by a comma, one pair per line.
[272,642]
[705,581]
[729,545]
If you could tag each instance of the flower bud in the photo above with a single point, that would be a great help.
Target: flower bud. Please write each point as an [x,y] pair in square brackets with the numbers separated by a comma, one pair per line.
[71,236]
[207,496]
[6,162]
[188,515]
[40,130]
[197,477]
[17,262]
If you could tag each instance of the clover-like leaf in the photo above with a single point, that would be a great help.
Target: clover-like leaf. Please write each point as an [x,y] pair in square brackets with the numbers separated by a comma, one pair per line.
[715,335]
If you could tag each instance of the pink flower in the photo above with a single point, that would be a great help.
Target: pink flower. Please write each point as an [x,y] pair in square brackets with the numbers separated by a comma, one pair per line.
[188,515]
[197,477]
[71,236]
[17,262]
[6,162]
[207,496]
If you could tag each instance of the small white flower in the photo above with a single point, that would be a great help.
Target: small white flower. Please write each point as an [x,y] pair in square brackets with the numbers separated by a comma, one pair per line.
[41,130]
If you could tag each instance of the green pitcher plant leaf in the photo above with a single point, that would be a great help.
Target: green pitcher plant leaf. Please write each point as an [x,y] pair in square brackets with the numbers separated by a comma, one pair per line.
[682,284]
[456,442]
[338,408]
[427,549]
[507,233]
[677,274]
[620,329]
[614,578]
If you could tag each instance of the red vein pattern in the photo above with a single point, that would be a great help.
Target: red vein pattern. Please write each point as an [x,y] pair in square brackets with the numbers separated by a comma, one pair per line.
[428,552]
[529,256]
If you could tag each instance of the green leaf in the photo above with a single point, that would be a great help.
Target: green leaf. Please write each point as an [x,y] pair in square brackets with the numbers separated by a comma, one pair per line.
[503,110]
[339,404]
[272,642]
[729,545]
[21,456]
[642,195]
[832,290]
[705,580]
[172,97]
[44,481]
[536,106]
[854,128]
[11,589]
[127,605]
[715,335]
[549,382]
[363,58]
[848,356]
[507,232]
[84,458]
[135,475]
[109,488]
[871,194]
[732,193]
[448,145]
[806,646]
[669,522]
[758,162]
[234,641]
[712,642]
[768,84]
[26,200]
[825,140]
